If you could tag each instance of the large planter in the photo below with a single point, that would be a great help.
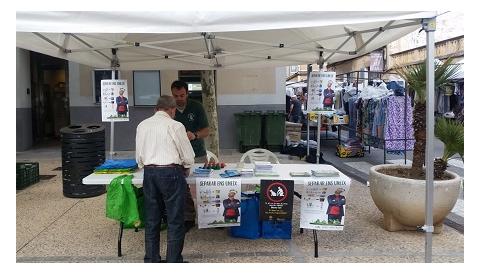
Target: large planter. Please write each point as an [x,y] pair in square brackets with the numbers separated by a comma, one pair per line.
[402,201]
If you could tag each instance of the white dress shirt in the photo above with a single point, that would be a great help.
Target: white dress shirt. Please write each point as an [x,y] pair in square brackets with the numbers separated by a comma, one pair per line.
[160,140]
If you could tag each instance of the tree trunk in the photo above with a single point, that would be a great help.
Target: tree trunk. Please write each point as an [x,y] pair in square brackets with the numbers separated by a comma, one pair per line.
[209,99]
[439,167]
[419,126]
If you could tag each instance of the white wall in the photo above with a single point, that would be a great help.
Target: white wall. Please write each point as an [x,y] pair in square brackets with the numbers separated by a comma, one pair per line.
[449,25]
[251,87]
[23,99]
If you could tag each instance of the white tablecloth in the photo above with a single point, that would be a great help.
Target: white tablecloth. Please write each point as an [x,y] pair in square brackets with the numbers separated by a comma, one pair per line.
[282,169]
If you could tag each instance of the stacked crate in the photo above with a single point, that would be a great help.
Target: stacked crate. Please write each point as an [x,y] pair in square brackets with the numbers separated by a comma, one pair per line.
[293,131]
[27,174]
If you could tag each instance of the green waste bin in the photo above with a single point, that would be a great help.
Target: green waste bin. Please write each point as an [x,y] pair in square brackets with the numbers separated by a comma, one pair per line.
[274,130]
[249,129]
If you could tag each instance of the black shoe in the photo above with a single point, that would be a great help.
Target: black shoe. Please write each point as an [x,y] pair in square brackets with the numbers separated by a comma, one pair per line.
[189,225]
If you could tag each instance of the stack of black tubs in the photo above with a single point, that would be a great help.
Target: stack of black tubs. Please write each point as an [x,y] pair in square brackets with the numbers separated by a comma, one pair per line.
[83,149]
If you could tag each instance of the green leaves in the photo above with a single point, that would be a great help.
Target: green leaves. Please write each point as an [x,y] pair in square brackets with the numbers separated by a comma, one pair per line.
[451,134]
[416,76]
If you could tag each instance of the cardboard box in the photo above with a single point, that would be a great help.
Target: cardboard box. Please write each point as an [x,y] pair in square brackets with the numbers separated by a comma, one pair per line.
[340,119]
[294,136]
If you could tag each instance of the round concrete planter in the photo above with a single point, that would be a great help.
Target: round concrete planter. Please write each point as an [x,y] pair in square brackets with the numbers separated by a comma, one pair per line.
[402,201]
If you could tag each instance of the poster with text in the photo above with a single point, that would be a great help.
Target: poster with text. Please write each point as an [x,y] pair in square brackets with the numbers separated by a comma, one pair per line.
[218,202]
[321,92]
[276,199]
[114,95]
[323,203]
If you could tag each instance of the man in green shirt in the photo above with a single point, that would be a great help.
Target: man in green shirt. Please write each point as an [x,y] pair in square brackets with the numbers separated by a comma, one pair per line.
[192,115]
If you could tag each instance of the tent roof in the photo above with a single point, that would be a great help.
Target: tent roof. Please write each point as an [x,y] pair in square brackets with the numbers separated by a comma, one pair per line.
[211,40]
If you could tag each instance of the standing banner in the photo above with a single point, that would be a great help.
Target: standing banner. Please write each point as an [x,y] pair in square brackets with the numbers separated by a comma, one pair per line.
[114,94]
[276,199]
[321,93]
[218,202]
[323,203]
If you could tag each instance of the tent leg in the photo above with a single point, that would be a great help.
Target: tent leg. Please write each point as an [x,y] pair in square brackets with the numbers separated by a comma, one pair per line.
[429,26]
[119,244]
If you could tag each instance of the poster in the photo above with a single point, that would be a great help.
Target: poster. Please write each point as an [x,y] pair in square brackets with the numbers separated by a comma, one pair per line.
[276,199]
[323,203]
[218,202]
[114,95]
[321,92]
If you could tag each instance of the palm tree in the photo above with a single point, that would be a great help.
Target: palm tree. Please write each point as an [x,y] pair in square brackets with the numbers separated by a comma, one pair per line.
[416,77]
[451,134]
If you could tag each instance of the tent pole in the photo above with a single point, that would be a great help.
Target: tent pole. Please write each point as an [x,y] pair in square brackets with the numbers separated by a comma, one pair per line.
[429,26]
[309,70]
[112,126]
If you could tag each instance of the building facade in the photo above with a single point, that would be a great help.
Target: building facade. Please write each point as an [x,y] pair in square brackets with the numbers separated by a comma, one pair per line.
[237,91]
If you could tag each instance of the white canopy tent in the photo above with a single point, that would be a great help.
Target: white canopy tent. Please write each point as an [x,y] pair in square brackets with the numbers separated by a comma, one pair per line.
[227,40]
[210,40]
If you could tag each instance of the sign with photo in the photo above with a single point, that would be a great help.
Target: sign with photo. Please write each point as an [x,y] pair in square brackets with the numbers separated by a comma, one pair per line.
[376,61]
[323,203]
[321,92]
[276,199]
[218,202]
[114,98]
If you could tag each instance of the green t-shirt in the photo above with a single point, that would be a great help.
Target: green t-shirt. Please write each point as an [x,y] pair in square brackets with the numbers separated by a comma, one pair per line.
[194,118]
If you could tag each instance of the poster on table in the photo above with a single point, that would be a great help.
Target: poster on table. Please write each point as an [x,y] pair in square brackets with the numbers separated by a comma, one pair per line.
[114,95]
[218,202]
[321,92]
[323,203]
[276,199]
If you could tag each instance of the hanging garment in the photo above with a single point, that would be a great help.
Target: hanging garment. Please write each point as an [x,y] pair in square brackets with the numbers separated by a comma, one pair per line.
[395,124]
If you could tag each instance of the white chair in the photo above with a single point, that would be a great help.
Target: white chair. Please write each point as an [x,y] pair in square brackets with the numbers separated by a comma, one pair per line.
[212,155]
[259,154]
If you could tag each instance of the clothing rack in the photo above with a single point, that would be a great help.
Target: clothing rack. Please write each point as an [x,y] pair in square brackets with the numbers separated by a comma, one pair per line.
[340,77]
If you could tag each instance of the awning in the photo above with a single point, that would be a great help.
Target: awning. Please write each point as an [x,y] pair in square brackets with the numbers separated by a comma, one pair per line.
[211,40]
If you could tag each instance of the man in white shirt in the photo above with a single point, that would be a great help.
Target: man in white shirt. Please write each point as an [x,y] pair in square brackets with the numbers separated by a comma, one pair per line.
[165,153]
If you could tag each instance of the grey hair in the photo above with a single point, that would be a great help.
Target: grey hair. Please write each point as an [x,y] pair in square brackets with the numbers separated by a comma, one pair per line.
[165,102]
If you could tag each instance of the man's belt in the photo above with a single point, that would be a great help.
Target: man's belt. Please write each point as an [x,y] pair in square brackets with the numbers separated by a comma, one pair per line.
[164,166]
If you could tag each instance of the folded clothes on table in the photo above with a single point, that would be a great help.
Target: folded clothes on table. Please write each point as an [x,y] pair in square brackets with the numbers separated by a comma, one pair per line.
[118,163]
[115,171]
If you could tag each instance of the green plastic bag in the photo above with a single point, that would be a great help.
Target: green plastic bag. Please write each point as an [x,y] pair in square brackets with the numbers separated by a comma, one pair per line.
[122,204]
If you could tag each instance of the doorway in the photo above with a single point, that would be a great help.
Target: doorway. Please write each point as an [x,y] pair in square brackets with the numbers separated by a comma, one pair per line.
[50,102]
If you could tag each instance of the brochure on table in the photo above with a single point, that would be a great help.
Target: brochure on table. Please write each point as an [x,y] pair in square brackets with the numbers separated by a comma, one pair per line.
[323,203]
[218,202]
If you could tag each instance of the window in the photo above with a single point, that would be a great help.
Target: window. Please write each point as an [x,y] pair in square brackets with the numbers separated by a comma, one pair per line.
[193,79]
[146,87]
[98,76]
[293,69]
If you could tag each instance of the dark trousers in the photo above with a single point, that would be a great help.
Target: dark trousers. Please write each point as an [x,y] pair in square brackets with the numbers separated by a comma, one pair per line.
[167,185]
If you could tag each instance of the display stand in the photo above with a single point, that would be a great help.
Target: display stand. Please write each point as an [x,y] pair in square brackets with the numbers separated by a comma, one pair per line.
[349,75]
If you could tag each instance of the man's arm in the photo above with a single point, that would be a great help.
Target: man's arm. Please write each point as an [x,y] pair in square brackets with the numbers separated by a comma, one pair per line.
[183,145]
[138,148]
[202,125]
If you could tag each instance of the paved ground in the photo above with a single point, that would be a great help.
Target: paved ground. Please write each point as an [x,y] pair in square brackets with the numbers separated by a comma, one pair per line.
[52,228]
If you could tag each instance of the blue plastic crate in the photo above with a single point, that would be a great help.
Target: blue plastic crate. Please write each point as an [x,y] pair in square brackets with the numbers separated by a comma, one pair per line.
[277,229]
[250,225]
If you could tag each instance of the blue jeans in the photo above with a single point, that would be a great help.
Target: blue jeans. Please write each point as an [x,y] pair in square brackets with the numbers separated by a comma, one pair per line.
[169,185]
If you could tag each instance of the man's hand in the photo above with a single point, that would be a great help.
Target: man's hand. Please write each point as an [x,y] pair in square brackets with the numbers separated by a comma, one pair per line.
[190,135]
